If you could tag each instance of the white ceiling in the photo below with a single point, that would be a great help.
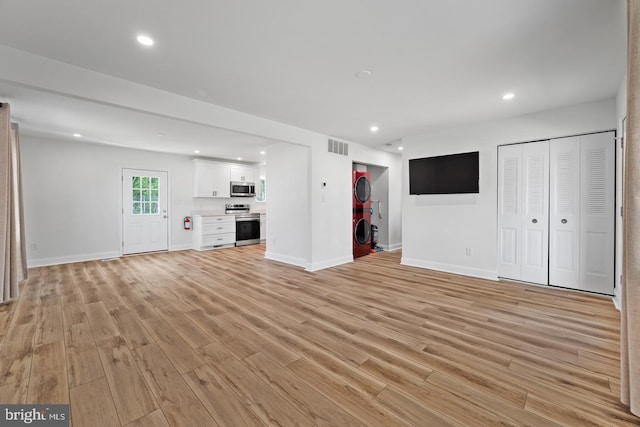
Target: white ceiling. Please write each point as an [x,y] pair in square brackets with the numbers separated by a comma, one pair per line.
[434,64]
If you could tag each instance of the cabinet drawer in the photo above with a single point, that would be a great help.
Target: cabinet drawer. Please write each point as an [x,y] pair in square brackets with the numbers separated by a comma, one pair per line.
[218,228]
[218,219]
[219,239]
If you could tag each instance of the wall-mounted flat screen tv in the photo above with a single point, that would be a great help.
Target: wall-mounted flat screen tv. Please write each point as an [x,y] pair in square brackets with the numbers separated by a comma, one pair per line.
[451,174]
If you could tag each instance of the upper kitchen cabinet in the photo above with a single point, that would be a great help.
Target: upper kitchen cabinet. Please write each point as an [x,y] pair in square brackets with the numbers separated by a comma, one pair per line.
[241,173]
[210,179]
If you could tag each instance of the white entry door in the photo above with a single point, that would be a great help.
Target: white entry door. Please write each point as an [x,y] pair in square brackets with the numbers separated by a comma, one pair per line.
[144,211]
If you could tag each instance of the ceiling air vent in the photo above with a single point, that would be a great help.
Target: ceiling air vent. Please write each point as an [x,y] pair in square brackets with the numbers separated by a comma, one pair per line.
[338,147]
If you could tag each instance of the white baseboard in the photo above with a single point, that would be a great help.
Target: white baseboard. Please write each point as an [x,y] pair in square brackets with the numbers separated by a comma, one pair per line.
[451,268]
[300,262]
[315,266]
[42,262]
[182,247]
[616,302]
[392,247]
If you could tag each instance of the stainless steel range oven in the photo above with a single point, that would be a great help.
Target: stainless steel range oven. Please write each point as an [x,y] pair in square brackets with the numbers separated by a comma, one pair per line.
[247,224]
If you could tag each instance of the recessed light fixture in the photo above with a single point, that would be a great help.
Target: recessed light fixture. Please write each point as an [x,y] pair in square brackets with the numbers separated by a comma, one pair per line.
[400,148]
[197,151]
[508,96]
[363,74]
[263,153]
[374,128]
[238,158]
[144,40]
[77,135]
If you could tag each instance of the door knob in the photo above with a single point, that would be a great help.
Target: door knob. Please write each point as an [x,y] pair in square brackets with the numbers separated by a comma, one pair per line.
[164,216]
[535,221]
[563,220]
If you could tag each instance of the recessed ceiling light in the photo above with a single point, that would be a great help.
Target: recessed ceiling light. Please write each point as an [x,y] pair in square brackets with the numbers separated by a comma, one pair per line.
[364,74]
[507,96]
[197,151]
[400,148]
[374,128]
[239,158]
[263,153]
[144,40]
[77,135]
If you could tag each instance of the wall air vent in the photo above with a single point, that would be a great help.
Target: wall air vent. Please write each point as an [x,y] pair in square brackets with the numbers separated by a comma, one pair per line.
[338,147]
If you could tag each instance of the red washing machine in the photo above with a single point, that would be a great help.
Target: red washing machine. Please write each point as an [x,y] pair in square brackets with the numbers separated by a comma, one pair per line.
[361,234]
[361,213]
[361,189]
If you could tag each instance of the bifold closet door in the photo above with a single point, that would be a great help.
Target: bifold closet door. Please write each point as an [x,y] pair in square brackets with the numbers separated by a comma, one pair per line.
[597,211]
[564,218]
[582,223]
[523,194]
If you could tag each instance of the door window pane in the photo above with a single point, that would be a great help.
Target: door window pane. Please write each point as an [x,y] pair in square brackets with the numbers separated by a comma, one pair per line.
[145,195]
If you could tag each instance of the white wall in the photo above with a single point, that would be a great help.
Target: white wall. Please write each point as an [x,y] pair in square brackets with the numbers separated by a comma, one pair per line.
[288,212]
[72,198]
[437,229]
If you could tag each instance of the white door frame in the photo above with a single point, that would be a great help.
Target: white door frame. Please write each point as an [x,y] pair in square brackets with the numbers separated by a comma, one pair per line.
[121,207]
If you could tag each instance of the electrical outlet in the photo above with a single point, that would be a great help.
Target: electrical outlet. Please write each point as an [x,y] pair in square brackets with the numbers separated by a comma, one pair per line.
[467,251]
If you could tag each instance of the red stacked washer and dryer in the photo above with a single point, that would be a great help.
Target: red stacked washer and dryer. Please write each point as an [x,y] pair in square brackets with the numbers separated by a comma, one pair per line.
[361,213]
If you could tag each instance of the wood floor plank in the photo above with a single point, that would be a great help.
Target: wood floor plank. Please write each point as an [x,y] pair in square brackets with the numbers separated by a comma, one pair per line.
[101,322]
[177,350]
[382,342]
[16,353]
[49,326]
[359,405]
[83,361]
[179,404]
[48,380]
[154,419]
[130,327]
[92,405]
[132,396]
[311,403]
[265,402]
[226,407]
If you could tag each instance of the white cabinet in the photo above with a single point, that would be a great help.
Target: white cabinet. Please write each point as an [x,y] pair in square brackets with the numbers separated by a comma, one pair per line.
[556,212]
[212,232]
[210,179]
[241,173]
[263,227]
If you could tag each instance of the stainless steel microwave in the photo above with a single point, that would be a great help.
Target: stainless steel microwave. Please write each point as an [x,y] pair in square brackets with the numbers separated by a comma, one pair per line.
[243,189]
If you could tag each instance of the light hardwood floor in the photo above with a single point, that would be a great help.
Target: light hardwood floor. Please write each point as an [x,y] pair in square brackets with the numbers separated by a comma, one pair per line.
[228,338]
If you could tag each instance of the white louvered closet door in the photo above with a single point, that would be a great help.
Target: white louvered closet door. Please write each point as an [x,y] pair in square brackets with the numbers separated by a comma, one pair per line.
[535,212]
[523,193]
[564,218]
[509,211]
[597,208]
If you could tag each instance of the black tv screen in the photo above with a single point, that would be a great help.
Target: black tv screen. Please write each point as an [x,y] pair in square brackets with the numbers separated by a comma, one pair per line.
[451,174]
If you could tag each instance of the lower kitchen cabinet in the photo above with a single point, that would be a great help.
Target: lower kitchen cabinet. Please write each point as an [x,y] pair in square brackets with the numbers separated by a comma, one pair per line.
[212,232]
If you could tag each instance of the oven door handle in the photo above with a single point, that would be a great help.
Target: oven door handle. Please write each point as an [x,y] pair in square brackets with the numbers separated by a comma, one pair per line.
[247,219]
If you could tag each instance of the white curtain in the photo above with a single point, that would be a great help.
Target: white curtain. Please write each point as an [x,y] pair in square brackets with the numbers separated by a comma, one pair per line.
[630,315]
[13,260]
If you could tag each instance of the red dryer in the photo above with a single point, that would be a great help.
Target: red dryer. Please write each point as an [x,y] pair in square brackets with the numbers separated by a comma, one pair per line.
[361,213]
